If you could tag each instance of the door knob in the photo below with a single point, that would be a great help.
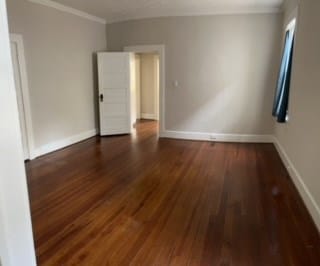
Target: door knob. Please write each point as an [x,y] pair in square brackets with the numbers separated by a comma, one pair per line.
[101,97]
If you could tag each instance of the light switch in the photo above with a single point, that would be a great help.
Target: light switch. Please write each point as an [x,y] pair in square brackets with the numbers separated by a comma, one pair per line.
[175,83]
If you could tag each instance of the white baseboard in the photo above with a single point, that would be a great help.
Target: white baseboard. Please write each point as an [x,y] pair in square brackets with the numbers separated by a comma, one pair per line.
[148,116]
[57,145]
[217,137]
[306,195]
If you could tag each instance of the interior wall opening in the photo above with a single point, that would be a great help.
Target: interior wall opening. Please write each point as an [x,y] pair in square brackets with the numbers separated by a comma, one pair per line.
[147,83]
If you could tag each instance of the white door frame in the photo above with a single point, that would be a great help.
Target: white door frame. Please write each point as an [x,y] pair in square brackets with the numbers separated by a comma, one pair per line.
[160,50]
[18,40]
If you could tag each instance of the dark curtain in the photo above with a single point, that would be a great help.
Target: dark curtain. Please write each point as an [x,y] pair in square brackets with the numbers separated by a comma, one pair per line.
[281,99]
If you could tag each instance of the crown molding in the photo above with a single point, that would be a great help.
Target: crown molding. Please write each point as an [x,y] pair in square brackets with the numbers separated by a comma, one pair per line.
[191,13]
[70,10]
[154,14]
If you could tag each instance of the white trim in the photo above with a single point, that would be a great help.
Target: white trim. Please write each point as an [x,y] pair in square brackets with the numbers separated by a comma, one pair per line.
[160,49]
[205,136]
[292,25]
[157,86]
[138,82]
[149,116]
[17,38]
[60,144]
[70,10]
[204,12]
[305,193]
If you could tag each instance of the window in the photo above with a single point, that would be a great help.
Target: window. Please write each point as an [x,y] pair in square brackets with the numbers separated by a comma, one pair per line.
[281,99]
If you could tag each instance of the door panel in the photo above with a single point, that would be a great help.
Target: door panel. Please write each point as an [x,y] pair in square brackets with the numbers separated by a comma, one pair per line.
[114,90]
[115,109]
[115,95]
[115,62]
[116,80]
[115,125]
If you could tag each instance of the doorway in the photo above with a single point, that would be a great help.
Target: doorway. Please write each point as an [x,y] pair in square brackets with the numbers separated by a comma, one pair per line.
[22,94]
[149,74]
[147,85]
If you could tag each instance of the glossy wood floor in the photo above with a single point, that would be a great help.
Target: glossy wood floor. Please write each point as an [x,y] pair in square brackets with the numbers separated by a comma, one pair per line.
[143,201]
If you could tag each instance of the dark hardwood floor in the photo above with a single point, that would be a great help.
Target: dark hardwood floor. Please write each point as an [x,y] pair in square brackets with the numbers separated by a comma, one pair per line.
[143,201]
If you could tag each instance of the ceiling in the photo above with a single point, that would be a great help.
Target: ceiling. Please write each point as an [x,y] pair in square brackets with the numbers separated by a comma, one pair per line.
[119,10]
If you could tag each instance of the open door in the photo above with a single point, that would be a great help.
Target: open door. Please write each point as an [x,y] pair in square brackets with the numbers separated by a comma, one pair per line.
[115,93]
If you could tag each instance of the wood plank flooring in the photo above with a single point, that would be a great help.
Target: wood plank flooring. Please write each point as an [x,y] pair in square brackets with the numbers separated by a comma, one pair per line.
[143,201]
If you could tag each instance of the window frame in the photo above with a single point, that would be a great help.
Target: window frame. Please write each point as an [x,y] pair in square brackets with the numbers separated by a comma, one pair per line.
[290,31]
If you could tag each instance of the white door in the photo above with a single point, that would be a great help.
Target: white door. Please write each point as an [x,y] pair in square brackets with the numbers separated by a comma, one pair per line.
[18,85]
[114,93]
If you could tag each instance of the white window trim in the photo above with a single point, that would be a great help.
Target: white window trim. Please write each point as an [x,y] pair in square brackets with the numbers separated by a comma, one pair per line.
[292,25]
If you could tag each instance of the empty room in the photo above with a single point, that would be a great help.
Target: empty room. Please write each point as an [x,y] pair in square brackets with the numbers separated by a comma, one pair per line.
[157,132]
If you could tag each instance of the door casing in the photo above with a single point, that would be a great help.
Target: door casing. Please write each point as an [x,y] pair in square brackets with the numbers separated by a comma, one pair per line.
[18,40]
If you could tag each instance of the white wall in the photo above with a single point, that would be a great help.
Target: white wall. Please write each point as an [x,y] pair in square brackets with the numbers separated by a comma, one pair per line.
[149,75]
[16,240]
[299,137]
[290,11]
[59,51]
[226,66]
